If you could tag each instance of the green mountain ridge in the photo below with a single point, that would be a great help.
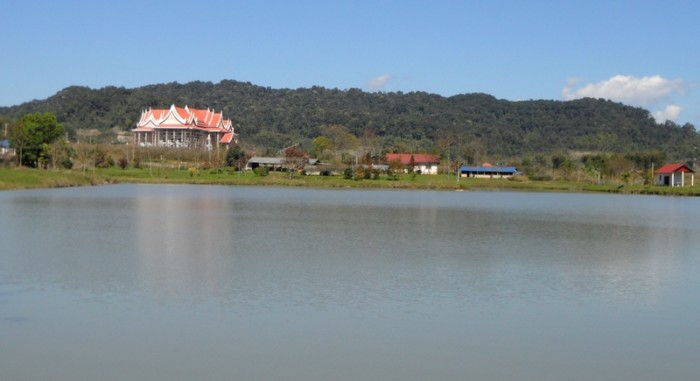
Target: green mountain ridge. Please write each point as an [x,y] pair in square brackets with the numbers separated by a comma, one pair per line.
[277,117]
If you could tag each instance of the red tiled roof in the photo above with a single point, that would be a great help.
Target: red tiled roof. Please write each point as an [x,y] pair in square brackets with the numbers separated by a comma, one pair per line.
[158,113]
[418,158]
[199,114]
[675,167]
[206,119]
[226,138]
[182,112]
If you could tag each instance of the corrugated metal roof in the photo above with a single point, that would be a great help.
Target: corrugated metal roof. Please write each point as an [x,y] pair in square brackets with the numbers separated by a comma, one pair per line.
[277,160]
[488,169]
[266,160]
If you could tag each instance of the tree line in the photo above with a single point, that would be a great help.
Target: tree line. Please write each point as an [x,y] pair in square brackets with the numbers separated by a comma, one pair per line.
[40,141]
[413,122]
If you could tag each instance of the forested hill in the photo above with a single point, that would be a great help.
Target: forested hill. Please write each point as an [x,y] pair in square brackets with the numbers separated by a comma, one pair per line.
[276,117]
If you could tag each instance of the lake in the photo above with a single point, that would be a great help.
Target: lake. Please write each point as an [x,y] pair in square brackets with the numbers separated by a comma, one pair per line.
[167,282]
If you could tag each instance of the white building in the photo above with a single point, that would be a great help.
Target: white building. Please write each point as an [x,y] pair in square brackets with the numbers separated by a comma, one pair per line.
[673,175]
[427,164]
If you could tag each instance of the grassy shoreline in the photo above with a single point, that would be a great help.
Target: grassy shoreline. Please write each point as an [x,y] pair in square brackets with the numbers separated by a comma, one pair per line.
[26,178]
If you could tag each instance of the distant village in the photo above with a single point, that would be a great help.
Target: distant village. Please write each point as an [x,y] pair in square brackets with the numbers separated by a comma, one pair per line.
[184,127]
[205,136]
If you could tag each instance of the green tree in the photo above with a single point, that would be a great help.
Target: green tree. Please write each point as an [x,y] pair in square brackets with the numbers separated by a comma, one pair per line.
[61,154]
[235,157]
[596,166]
[348,173]
[20,139]
[321,144]
[342,138]
[32,135]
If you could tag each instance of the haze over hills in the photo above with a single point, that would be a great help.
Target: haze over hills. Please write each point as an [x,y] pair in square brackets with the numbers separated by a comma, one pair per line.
[277,117]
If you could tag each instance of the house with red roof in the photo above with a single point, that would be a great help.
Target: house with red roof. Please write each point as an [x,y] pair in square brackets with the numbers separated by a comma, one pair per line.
[184,127]
[423,162]
[674,175]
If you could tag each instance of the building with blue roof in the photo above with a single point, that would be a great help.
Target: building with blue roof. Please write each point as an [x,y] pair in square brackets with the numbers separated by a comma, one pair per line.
[487,171]
[6,149]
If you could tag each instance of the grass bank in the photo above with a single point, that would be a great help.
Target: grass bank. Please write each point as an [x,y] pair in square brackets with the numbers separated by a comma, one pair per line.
[22,178]
[25,178]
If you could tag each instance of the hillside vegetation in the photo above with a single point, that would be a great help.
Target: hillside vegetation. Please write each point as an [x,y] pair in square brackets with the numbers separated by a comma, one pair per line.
[413,121]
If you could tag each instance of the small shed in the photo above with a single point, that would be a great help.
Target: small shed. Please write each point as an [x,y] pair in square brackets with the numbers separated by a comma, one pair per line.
[273,163]
[673,175]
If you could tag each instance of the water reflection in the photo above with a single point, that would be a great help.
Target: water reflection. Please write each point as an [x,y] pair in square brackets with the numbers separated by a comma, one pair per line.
[182,241]
[248,245]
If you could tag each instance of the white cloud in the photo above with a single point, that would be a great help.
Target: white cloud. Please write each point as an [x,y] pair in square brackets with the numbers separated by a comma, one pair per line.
[671,113]
[570,83]
[637,91]
[378,83]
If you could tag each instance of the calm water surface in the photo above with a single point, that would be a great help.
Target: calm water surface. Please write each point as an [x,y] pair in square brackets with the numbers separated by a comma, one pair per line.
[144,282]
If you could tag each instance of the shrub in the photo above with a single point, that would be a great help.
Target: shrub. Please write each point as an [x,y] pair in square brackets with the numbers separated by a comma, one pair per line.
[66,163]
[193,171]
[347,173]
[123,162]
[102,159]
[359,173]
[235,156]
[261,171]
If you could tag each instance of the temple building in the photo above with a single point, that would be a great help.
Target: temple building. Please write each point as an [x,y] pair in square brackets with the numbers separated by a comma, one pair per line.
[184,127]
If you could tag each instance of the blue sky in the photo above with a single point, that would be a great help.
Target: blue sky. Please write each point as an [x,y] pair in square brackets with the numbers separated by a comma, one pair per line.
[637,52]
